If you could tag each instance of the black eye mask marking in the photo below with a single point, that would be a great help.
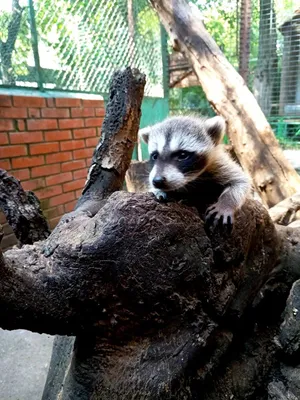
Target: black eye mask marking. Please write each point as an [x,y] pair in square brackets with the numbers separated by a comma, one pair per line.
[194,162]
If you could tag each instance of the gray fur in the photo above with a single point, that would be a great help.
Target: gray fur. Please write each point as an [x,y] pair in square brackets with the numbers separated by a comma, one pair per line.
[200,136]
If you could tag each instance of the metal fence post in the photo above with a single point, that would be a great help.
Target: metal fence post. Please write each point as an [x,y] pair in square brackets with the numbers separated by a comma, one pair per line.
[35,47]
[165,60]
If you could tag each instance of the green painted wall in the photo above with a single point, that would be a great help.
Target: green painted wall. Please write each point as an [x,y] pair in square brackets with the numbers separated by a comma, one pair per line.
[153,110]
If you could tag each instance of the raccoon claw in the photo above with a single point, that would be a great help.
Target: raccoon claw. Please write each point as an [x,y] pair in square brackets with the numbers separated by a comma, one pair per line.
[217,215]
[160,195]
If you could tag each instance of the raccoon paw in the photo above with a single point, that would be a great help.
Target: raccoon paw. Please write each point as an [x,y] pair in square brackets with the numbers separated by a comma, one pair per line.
[160,195]
[219,214]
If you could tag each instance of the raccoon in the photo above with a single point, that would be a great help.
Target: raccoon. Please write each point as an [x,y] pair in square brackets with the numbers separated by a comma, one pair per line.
[189,163]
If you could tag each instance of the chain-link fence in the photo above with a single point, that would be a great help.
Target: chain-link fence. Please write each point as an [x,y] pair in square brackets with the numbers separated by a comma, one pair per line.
[261,38]
[75,45]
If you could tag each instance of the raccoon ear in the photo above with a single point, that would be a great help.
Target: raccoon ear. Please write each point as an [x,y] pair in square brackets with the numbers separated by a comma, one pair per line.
[144,134]
[216,128]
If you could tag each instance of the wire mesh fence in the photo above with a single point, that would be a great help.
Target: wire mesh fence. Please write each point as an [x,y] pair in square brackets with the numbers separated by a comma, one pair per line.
[261,39]
[75,45]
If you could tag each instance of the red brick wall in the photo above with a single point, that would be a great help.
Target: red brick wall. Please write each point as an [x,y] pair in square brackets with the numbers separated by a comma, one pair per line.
[47,143]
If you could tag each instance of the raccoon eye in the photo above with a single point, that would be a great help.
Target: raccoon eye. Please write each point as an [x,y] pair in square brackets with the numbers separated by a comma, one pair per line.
[154,156]
[183,155]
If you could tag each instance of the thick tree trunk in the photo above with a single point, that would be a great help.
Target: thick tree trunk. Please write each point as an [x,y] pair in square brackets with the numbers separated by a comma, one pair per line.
[254,142]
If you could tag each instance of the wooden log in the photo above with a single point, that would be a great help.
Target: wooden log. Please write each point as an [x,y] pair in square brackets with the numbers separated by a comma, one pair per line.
[286,211]
[251,135]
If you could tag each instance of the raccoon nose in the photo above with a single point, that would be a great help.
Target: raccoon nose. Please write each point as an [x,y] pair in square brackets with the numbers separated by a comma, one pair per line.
[159,182]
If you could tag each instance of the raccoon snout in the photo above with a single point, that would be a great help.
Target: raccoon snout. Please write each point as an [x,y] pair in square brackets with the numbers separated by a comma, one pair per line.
[159,182]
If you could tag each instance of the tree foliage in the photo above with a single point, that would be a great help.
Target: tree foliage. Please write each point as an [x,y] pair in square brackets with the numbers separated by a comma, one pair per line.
[82,42]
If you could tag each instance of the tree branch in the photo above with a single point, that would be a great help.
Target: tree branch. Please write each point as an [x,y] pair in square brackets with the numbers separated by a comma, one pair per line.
[285,212]
[22,210]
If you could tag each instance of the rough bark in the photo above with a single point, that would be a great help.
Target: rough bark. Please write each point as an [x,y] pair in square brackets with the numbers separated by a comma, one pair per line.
[112,156]
[99,280]
[254,142]
[22,210]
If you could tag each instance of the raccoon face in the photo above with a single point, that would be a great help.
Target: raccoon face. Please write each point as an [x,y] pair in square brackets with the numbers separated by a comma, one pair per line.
[180,149]
[173,170]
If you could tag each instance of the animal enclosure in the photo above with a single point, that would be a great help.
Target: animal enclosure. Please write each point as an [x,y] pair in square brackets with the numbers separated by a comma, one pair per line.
[261,38]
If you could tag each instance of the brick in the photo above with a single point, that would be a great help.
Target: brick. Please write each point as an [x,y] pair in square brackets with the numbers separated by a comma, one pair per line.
[50,102]
[55,113]
[70,123]
[53,222]
[84,133]
[70,206]
[41,124]
[73,165]
[97,122]
[13,151]
[54,212]
[34,184]
[21,174]
[99,112]
[26,137]
[78,184]
[3,138]
[67,102]
[61,199]
[5,101]
[72,145]
[92,103]
[82,112]
[5,164]
[57,135]
[49,192]
[6,125]
[27,162]
[44,148]
[81,173]
[60,178]
[34,113]
[59,157]
[83,153]
[27,101]
[21,126]
[11,112]
[92,142]
[45,170]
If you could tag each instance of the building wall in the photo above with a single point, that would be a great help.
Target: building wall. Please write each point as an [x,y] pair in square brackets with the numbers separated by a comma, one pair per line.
[47,143]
